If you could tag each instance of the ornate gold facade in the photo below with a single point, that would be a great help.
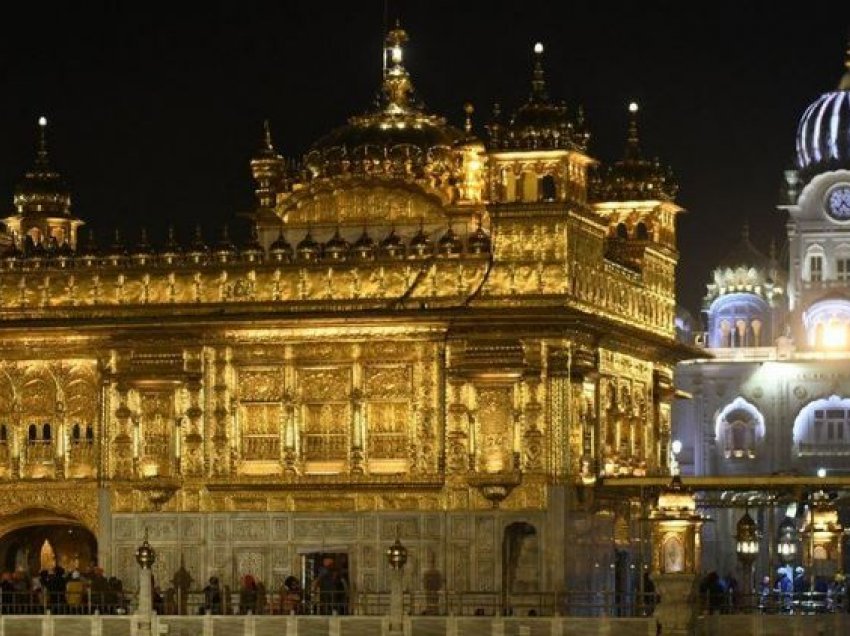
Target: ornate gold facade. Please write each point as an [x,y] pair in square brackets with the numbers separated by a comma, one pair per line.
[505,337]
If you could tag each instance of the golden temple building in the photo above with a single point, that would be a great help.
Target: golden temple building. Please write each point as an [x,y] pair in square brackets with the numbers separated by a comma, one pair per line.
[430,335]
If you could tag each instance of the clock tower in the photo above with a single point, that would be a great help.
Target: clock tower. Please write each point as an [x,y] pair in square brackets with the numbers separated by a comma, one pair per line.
[818,204]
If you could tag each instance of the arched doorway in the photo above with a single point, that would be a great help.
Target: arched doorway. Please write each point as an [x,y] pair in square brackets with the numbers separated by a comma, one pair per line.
[520,564]
[36,540]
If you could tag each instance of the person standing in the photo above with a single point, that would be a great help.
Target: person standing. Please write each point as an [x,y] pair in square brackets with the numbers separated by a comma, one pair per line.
[324,585]
[212,597]
[784,589]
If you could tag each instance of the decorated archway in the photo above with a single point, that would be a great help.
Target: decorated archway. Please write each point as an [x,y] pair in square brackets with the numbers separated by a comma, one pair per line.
[39,539]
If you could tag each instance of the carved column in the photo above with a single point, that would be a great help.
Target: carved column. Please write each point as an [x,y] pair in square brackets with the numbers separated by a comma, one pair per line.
[663,394]
[531,450]
[60,435]
[193,449]
[18,440]
[220,455]
[290,435]
[123,442]
[358,438]
[457,434]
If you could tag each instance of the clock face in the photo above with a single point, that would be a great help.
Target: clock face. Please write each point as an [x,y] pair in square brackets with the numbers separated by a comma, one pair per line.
[838,203]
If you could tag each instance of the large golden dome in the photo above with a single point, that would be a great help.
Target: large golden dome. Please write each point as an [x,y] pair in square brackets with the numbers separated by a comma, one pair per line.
[396,139]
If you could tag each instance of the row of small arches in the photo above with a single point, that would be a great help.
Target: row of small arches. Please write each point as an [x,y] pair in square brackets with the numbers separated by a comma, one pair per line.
[44,433]
[394,246]
[639,232]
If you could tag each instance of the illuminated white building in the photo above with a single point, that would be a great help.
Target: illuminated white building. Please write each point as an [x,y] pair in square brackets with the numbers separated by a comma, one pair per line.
[774,398]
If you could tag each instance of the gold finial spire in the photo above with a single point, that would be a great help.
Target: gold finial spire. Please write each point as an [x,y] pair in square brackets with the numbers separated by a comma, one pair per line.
[468,109]
[42,160]
[633,140]
[538,80]
[844,84]
[267,136]
[397,85]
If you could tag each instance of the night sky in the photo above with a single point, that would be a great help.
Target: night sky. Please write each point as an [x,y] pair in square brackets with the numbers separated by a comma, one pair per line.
[156,108]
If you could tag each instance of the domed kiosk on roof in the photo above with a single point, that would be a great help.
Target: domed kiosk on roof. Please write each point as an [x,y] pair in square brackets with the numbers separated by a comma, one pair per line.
[395,164]
[43,202]
[742,297]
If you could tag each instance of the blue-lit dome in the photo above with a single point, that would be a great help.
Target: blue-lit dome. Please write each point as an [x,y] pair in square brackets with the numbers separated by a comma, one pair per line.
[823,136]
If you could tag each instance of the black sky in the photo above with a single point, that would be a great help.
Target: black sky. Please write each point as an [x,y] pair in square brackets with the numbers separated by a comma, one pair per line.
[155,108]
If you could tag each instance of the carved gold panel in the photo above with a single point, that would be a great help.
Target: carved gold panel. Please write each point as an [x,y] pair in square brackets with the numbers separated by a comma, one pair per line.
[157,422]
[326,431]
[261,385]
[388,429]
[320,384]
[495,424]
[261,429]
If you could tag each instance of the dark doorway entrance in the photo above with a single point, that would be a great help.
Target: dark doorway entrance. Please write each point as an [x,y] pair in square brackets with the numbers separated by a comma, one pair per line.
[40,547]
[325,581]
[520,568]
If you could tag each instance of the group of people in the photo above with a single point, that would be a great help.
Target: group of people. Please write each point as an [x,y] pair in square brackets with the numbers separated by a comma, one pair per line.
[792,591]
[329,594]
[253,598]
[61,592]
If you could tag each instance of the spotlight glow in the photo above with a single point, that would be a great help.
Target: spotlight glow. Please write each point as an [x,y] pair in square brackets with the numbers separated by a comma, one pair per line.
[835,335]
[538,48]
[633,107]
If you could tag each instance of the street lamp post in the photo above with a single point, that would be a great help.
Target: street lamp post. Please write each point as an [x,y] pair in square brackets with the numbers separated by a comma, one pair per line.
[676,554]
[396,557]
[747,548]
[145,557]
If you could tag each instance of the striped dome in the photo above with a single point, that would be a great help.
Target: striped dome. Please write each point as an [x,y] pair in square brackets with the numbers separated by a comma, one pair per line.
[823,137]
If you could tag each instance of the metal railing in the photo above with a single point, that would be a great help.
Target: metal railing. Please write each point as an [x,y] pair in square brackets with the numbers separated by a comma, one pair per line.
[442,603]
[110,602]
[774,602]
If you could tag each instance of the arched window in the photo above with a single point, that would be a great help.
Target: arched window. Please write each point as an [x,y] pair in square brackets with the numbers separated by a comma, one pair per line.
[46,432]
[823,427]
[89,433]
[622,231]
[827,322]
[75,432]
[32,433]
[739,427]
[842,262]
[4,434]
[641,233]
[739,320]
[814,264]
[548,191]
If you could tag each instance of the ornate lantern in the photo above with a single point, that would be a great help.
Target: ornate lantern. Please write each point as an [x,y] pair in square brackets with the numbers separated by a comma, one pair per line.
[397,555]
[676,540]
[786,544]
[676,548]
[822,549]
[747,548]
[145,554]
[746,539]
